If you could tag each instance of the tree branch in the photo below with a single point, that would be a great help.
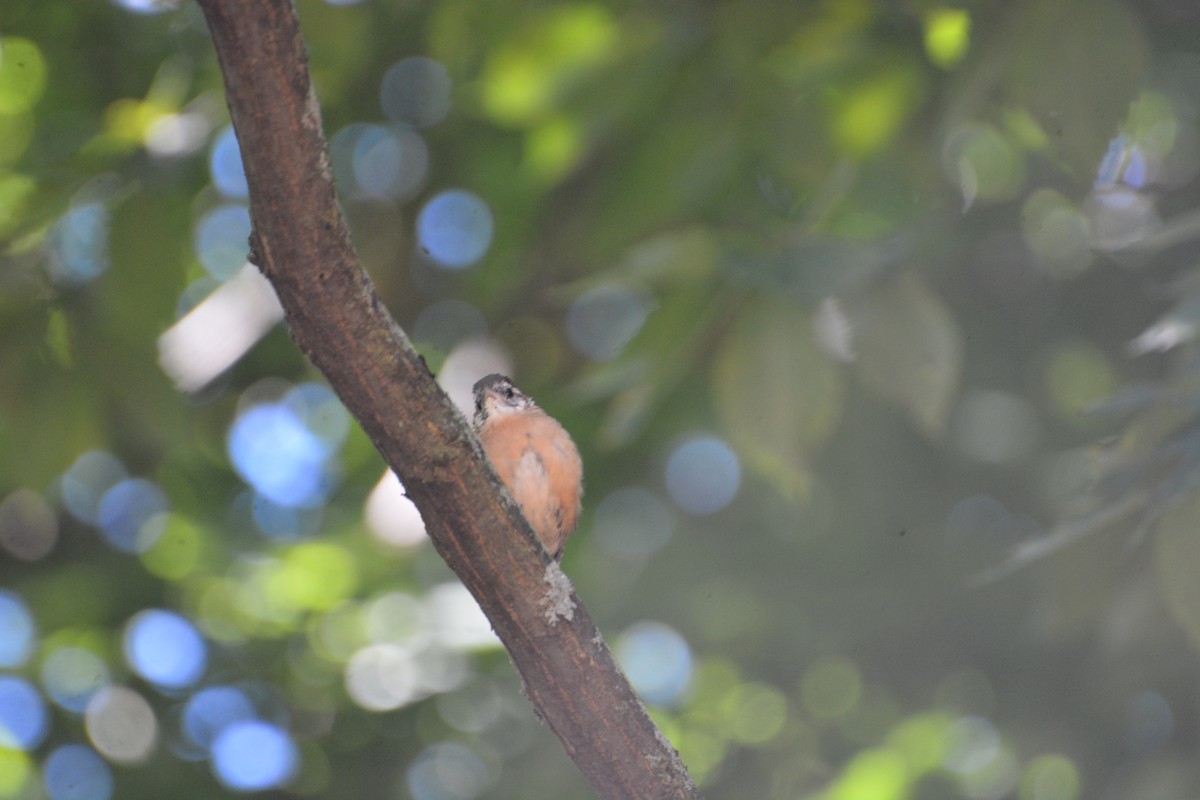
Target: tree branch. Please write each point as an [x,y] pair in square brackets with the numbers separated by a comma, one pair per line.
[301,244]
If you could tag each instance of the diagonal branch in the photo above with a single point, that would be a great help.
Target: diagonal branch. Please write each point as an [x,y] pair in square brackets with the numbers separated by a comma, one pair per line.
[301,244]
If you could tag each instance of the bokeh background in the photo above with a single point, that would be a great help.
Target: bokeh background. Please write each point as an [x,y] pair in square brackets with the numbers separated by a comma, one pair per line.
[874,321]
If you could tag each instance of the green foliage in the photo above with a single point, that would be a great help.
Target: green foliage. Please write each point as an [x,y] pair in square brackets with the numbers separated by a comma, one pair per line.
[911,265]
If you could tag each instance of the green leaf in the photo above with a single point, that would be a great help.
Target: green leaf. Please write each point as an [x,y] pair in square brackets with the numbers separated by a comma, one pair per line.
[1076,66]
[909,349]
[776,393]
[1176,554]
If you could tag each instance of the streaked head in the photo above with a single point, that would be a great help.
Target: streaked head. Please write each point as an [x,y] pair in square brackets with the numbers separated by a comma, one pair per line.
[495,395]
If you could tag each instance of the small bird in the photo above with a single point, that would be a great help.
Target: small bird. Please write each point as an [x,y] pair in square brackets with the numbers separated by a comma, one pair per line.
[534,456]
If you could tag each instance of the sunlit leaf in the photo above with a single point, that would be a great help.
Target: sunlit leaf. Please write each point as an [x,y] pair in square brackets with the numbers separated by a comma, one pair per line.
[22,74]
[522,79]
[869,114]
[878,774]
[947,35]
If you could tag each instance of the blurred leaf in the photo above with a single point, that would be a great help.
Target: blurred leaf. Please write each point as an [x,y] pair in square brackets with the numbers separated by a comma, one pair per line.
[809,269]
[22,75]
[1078,375]
[1129,398]
[49,399]
[672,258]
[776,393]
[1136,482]
[679,265]
[663,353]
[835,37]
[16,195]
[523,77]
[983,163]
[868,115]
[947,35]
[1177,558]
[1061,536]
[1145,451]
[1178,326]
[909,349]
[58,338]
[1077,65]
[762,170]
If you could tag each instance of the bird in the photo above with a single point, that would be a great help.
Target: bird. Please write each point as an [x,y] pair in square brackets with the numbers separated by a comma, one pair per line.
[534,457]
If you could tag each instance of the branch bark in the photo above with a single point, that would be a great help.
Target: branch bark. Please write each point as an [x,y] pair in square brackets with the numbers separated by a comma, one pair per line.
[301,244]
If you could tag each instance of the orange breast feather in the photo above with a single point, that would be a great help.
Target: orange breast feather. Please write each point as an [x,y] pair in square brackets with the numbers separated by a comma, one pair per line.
[535,458]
